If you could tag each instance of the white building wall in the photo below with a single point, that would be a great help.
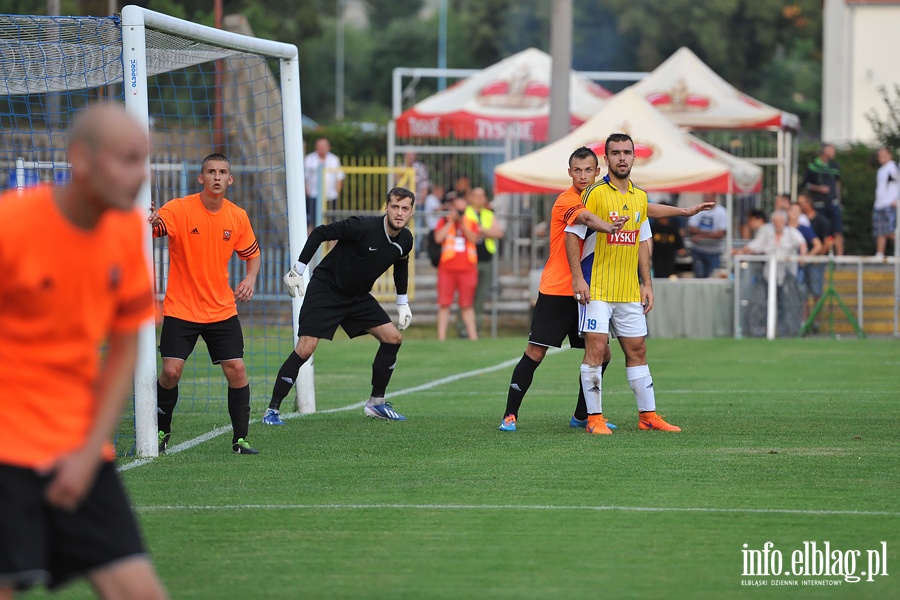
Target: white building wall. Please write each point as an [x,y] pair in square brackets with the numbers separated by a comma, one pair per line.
[857,61]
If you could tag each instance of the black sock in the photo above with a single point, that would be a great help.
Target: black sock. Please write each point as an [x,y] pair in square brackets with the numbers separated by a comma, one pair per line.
[522,377]
[239,410]
[383,368]
[581,412]
[287,376]
[165,406]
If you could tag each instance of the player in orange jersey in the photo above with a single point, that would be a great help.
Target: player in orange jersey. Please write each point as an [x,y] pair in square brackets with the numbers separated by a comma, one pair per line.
[74,278]
[556,311]
[204,230]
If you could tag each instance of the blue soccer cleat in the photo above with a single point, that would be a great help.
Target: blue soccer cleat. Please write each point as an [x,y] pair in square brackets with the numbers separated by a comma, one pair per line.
[383,411]
[272,417]
[509,423]
[573,422]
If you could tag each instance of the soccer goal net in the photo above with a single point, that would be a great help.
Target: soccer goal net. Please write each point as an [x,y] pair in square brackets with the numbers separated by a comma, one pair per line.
[199,90]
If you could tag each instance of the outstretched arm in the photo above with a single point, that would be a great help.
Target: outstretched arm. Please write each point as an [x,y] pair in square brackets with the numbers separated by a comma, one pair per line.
[658,211]
[592,221]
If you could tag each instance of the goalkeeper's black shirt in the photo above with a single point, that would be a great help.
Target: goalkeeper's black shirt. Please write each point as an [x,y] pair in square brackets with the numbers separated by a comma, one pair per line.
[363,252]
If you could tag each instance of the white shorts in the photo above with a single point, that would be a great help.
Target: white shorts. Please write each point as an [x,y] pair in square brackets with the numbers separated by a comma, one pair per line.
[626,319]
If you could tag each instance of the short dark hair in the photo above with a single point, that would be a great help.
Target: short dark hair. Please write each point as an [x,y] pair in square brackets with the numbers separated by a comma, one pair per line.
[617,137]
[582,153]
[757,213]
[400,193]
[216,157]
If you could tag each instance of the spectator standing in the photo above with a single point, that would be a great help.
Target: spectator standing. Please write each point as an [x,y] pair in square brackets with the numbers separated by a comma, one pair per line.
[667,245]
[780,240]
[204,231]
[707,232]
[74,277]
[322,162]
[489,231]
[457,272]
[814,273]
[823,182]
[887,193]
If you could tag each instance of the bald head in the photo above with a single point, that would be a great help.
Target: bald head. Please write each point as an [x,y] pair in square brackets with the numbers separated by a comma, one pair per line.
[108,150]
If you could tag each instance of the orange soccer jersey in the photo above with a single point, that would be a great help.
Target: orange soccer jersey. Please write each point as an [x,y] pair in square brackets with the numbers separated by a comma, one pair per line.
[556,279]
[200,245]
[62,291]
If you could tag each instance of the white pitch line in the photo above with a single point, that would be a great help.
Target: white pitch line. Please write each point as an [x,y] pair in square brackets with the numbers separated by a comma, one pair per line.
[536,507]
[425,386]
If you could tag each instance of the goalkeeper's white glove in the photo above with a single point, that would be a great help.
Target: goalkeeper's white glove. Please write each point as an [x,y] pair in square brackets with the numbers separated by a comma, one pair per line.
[404,315]
[293,280]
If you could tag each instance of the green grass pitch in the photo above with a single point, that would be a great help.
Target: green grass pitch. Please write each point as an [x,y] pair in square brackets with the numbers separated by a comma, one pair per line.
[788,442]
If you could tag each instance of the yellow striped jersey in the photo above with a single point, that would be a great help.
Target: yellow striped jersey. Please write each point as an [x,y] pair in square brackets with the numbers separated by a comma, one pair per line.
[610,263]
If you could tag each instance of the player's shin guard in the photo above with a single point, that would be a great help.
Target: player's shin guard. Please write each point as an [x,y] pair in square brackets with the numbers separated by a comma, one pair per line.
[591,383]
[383,368]
[522,377]
[239,411]
[287,376]
[165,406]
[581,412]
[641,384]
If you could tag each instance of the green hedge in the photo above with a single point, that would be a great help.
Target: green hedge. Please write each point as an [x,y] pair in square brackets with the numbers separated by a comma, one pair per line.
[858,168]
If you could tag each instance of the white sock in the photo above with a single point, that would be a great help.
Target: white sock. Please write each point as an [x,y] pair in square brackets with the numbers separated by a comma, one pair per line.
[641,384]
[591,383]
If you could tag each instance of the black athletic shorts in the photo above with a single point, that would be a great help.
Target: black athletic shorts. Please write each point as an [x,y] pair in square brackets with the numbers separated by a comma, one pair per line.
[554,318]
[42,544]
[224,339]
[324,309]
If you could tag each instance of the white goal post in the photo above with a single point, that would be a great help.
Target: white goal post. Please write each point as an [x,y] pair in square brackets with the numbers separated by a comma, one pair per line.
[142,60]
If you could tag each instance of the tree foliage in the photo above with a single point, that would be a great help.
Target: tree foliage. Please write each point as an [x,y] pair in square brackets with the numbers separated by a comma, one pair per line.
[887,129]
[770,49]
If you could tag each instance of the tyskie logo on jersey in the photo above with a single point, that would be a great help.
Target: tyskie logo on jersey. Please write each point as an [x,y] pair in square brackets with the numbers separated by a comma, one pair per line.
[622,238]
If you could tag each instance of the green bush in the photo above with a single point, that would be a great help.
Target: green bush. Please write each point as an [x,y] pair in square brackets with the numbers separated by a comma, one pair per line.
[858,167]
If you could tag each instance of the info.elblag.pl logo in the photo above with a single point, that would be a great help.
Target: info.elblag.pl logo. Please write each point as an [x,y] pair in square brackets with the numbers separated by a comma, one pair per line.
[812,559]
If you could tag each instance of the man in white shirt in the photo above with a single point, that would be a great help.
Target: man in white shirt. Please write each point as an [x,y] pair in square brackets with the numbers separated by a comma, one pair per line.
[887,192]
[322,161]
[707,231]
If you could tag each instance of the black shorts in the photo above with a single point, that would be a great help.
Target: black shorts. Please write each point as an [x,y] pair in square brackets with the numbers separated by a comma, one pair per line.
[554,318]
[224,339]
[42,544]
[324,309]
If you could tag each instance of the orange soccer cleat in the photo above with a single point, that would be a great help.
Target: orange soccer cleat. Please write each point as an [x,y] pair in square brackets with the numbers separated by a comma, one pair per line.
[596,425]
[651,420]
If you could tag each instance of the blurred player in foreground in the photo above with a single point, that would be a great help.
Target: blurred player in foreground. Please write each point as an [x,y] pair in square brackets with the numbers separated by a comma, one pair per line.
[74,278]
[339,295]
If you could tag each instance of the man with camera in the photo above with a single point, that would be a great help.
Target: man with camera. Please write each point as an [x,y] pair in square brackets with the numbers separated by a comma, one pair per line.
[457,233]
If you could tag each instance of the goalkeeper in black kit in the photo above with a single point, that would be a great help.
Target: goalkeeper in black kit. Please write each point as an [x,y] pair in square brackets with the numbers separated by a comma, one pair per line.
[339,294]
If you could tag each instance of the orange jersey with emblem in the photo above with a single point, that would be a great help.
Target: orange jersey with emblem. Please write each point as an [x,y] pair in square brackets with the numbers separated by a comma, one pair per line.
[62,291]
[200,246]
[556,280]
